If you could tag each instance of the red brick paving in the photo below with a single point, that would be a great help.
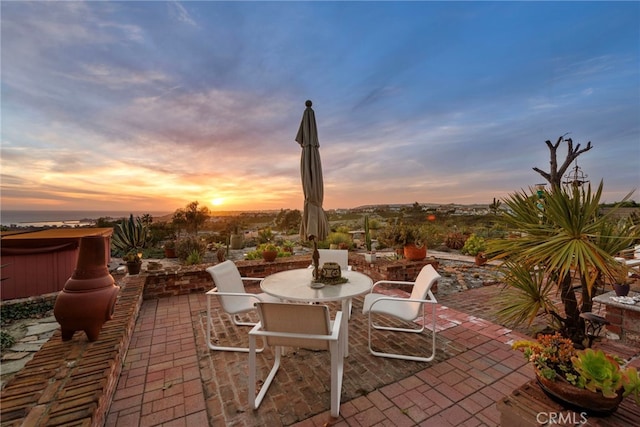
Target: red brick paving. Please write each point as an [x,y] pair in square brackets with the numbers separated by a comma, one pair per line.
[171,378]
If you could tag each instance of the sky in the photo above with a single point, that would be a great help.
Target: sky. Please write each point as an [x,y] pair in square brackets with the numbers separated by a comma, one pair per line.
[148,106]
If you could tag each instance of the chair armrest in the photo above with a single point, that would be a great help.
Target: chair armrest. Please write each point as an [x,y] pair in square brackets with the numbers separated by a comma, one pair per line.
[431,300]
[215,292]
[392,282]
[252,279]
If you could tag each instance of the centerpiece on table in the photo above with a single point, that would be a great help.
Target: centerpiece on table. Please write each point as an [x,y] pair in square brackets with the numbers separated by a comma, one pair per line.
[589,380]
[329,274]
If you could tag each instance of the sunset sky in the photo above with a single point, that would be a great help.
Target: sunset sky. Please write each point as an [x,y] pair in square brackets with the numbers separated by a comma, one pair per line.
[151,105]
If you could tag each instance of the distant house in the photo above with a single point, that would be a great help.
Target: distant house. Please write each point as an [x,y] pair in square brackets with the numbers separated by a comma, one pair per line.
[40,262]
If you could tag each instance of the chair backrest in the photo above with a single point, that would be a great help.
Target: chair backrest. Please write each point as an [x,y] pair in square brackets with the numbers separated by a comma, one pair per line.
[227,279]
[309,319]
[426,278]
[341,256]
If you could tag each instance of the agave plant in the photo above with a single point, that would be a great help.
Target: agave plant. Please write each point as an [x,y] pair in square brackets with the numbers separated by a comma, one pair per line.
[130,235]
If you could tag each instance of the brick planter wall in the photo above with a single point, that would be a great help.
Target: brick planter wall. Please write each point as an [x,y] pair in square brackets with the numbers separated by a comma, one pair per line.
[195,279]
[625,323]
[73,382]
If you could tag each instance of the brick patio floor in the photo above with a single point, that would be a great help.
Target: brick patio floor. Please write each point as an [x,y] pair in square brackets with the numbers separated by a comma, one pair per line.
[171,378]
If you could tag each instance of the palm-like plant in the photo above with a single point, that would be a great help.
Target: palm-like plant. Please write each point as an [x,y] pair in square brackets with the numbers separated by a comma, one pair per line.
[567,236]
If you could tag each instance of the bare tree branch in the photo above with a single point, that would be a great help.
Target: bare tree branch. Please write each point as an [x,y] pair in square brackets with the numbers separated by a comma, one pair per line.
[554,176]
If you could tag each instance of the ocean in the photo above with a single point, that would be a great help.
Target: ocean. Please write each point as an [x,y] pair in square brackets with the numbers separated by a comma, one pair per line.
[63,218]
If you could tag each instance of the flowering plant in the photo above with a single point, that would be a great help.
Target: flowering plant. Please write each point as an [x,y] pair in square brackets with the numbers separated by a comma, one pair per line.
[555,358]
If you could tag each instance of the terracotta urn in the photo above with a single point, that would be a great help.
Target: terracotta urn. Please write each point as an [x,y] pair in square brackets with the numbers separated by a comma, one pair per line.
[89,296]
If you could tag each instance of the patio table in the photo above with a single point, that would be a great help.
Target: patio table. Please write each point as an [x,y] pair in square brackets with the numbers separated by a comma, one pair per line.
[295,285]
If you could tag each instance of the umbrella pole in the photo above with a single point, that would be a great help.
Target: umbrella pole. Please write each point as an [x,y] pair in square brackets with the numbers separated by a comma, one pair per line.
[316,259]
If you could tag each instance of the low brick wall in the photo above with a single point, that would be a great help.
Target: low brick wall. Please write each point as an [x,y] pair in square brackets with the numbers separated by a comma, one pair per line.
[73,382]
[195,279]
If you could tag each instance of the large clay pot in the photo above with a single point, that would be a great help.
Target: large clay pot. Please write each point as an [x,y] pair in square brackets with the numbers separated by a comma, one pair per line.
[578,398]
[269,256]
[415,253]
[89,296]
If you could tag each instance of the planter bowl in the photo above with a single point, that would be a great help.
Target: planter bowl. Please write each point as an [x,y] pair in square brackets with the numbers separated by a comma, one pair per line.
[578,398]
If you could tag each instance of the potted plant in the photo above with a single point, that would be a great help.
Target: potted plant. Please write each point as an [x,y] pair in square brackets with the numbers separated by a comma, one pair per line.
[133,259]
[370,255]
[170,249]
[475,246]
[287,246]
[269,252]
[621,281]
[590,380]
[414,242]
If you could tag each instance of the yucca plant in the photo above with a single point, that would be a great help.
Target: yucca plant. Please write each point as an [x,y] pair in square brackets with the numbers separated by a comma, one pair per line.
[130,235]
[566,236]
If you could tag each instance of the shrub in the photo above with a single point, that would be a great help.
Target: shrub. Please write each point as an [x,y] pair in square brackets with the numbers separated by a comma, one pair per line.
[194,258]
[6,340]
[455,240]
[473,245]
[31,309]
[186,246]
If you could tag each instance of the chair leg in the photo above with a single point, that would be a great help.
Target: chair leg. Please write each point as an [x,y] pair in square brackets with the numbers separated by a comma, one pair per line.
[337,372]
[403,356]
[238,322]
[219,347]
[257,400]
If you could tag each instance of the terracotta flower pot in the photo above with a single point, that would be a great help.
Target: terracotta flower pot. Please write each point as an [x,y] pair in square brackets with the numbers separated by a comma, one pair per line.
[414,253]
[480,259]
[269,256]
[89,296]
[579,398]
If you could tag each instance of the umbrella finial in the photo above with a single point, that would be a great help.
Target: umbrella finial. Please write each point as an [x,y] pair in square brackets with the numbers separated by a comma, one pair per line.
[308,103]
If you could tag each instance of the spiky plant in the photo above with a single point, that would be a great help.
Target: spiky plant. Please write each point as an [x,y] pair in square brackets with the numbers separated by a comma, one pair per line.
[565,237]
[130,235]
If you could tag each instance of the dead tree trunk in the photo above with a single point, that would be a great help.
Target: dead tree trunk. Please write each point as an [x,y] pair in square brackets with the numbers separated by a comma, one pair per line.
[555,174]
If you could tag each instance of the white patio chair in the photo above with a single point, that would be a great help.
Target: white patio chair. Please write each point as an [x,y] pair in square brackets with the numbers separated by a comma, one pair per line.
[296,325]
[234,299]
[407,309]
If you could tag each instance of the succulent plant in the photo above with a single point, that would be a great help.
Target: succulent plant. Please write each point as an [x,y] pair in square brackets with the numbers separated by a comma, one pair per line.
[600,371]
[631,382]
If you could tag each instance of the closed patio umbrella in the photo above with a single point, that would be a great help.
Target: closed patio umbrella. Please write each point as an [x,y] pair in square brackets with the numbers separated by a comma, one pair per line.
[314,224]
